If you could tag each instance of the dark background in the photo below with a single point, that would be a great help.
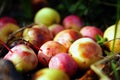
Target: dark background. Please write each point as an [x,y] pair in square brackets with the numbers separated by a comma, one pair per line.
[101,13]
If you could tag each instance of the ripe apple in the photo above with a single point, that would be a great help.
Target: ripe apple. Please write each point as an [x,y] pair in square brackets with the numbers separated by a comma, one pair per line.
[67,37]
[85,51]
[55,28]
[73,22]
[91,32]
[8,25]
[23,57]
[47,16]
[110,32]
[48,50]
[64,62]
[37,35]
[50,74]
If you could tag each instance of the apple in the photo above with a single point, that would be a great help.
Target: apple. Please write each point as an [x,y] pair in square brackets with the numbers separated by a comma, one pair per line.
[67,37]
[48,50]
[8,25]
[85,51]
[55,28]
[37,35]
[65,63]
[91,32]
[23,57]
[73,22]
[47,16]
[110,32]
[50,74]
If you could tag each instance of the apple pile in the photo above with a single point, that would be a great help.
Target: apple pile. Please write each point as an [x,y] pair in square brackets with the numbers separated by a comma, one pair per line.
[51,48]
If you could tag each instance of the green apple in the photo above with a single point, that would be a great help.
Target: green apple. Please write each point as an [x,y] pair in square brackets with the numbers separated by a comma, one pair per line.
[47,16]
[85,51]
[50,74]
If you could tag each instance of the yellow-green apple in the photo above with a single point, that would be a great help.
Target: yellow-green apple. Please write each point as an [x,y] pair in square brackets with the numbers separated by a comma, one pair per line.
[67,37]
[91,32]
[23,57]
[37,35]
[8,25]
[85,52]
[47,16]
[48,50]
[50,74]
[55,28]
[65,63]
[73,22]
[109,33]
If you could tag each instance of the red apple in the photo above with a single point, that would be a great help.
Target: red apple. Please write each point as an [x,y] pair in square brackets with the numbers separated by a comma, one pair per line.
[63,62]
[91,32]
[85,52]
[67,37]
[8,25]
[48,50]
[37,35]
[73,22]
[23,57]
[50,74]
[55,28]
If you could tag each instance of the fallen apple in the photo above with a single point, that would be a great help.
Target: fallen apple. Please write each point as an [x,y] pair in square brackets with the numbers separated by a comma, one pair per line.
[65,63]
[73,22]
[50,74]
[23,57]
[91,32]
[48,50]
[85,51]
[37,35]
[8,25]
[67,37]
[47,16]
[55,28]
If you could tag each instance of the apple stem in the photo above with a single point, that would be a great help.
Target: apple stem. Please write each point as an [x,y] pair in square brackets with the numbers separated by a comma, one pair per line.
[3,43]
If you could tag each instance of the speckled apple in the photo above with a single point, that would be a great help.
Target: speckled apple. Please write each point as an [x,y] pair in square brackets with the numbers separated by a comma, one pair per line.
[65,63]
[23,57]
[48,50]
[85,52]
[67,37]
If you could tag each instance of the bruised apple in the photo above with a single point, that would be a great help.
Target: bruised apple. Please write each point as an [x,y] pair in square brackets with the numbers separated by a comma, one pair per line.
[23,57]
[55,28]
[67,37]
[37,35]
[63,62]
[85,52]
[73,22]
[50,74]
[48,50]
[91,32]
[8,25]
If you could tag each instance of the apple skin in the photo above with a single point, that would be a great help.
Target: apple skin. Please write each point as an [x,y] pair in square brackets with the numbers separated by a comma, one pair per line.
[67,37]
[50,74]
[8,25]
[85,51]
[55,28]
[48,50]
[47,16]
[6,19]
[73,22]
[91,32]
[37,35]
[23,57]
[65,63]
